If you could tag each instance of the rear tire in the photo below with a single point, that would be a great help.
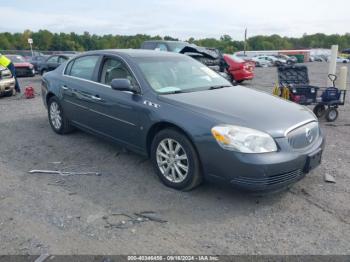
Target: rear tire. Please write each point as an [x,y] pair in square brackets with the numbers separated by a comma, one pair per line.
[319,110]
[58,121]
[175,160]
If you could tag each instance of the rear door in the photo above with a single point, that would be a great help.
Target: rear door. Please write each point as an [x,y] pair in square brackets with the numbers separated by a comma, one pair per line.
[78,89]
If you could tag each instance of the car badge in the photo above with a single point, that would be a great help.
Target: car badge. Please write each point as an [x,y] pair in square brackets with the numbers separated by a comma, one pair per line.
[308,134]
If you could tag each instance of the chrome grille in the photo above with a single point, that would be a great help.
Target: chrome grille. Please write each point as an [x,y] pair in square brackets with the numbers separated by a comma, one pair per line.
[304,135]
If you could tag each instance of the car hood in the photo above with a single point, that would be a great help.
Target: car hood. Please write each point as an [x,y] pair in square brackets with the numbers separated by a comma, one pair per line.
[246,107]
[24,64]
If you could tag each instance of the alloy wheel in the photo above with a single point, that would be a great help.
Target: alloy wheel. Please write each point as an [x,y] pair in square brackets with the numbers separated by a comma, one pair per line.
[172,160]
[55,115]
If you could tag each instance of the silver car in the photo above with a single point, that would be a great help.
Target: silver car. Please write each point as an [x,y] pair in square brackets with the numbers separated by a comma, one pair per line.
[7,82]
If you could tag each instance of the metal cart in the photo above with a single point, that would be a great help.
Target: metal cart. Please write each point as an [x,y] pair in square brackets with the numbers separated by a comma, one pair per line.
[294,85]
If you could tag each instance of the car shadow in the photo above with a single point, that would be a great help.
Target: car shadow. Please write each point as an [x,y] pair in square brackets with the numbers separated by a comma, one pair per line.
[127,182]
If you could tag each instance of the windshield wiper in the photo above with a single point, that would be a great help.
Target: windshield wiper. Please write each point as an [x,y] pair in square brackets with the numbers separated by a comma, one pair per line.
[218,87]
[172,92]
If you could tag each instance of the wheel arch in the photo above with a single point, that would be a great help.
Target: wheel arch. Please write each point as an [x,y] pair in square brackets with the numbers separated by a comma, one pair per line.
[48,96]
[157,127]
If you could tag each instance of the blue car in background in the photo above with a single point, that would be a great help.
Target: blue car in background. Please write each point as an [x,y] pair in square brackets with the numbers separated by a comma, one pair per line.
[190,121]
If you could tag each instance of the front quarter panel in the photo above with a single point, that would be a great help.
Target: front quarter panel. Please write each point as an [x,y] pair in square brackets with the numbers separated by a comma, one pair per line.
[196,126]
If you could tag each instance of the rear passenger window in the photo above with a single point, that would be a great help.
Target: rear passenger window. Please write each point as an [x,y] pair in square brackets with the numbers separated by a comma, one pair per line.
[83,67]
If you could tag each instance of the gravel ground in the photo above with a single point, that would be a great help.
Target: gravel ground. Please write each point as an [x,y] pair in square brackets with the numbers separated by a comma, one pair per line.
[96,214]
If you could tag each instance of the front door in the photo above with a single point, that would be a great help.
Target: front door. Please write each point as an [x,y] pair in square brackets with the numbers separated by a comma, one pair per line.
[117,113]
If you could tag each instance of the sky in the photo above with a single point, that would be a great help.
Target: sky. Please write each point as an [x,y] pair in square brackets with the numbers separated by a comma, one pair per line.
[178,18]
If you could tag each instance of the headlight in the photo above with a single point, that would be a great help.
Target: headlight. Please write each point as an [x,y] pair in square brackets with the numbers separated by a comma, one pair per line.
[243,139]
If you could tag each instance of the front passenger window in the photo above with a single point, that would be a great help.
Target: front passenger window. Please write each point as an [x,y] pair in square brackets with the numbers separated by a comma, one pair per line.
[113,68]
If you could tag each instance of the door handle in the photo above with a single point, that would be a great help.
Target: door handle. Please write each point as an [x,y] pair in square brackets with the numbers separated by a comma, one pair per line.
[64,87]
[97,98]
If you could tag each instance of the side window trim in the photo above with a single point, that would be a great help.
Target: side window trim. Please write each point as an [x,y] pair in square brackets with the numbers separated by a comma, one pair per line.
[98,68]
[68,68]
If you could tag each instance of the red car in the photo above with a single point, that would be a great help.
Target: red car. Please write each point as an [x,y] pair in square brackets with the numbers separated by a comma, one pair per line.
[23,68]
[238,69]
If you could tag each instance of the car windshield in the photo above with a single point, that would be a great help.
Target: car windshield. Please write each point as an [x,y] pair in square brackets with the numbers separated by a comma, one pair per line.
[16,58]
[176,46]
[179,74]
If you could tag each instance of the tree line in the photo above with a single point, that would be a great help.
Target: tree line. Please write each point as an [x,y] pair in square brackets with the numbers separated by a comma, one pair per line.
[47,41]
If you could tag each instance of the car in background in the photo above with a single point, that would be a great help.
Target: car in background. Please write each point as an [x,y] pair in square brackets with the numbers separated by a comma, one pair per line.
[162,45]
[7,82]
[191,122]
[36,61]
[243,56]
[23,68]
[238,69]
[52,62]
[260,62]
[320,58]
[290,59]
[342,60]
[211,57]
[274,60]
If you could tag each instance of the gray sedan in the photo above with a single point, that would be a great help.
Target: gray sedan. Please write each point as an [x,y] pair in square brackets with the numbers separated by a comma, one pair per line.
[191,122]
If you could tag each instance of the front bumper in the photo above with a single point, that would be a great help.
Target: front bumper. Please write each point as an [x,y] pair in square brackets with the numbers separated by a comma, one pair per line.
[7,85]
[259,172]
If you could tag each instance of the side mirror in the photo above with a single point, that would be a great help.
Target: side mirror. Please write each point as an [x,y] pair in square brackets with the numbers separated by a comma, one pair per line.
[122,84]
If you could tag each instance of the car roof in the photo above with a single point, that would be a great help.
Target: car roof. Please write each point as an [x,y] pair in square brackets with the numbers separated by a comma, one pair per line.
[165,41]
[134,53]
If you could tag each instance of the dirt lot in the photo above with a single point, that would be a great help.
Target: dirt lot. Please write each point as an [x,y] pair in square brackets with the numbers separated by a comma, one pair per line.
[73,215]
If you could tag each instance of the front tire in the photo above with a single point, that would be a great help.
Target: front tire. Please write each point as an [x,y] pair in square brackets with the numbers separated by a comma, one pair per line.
[175,160]
[10,93]
[58,121]
[331,114]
